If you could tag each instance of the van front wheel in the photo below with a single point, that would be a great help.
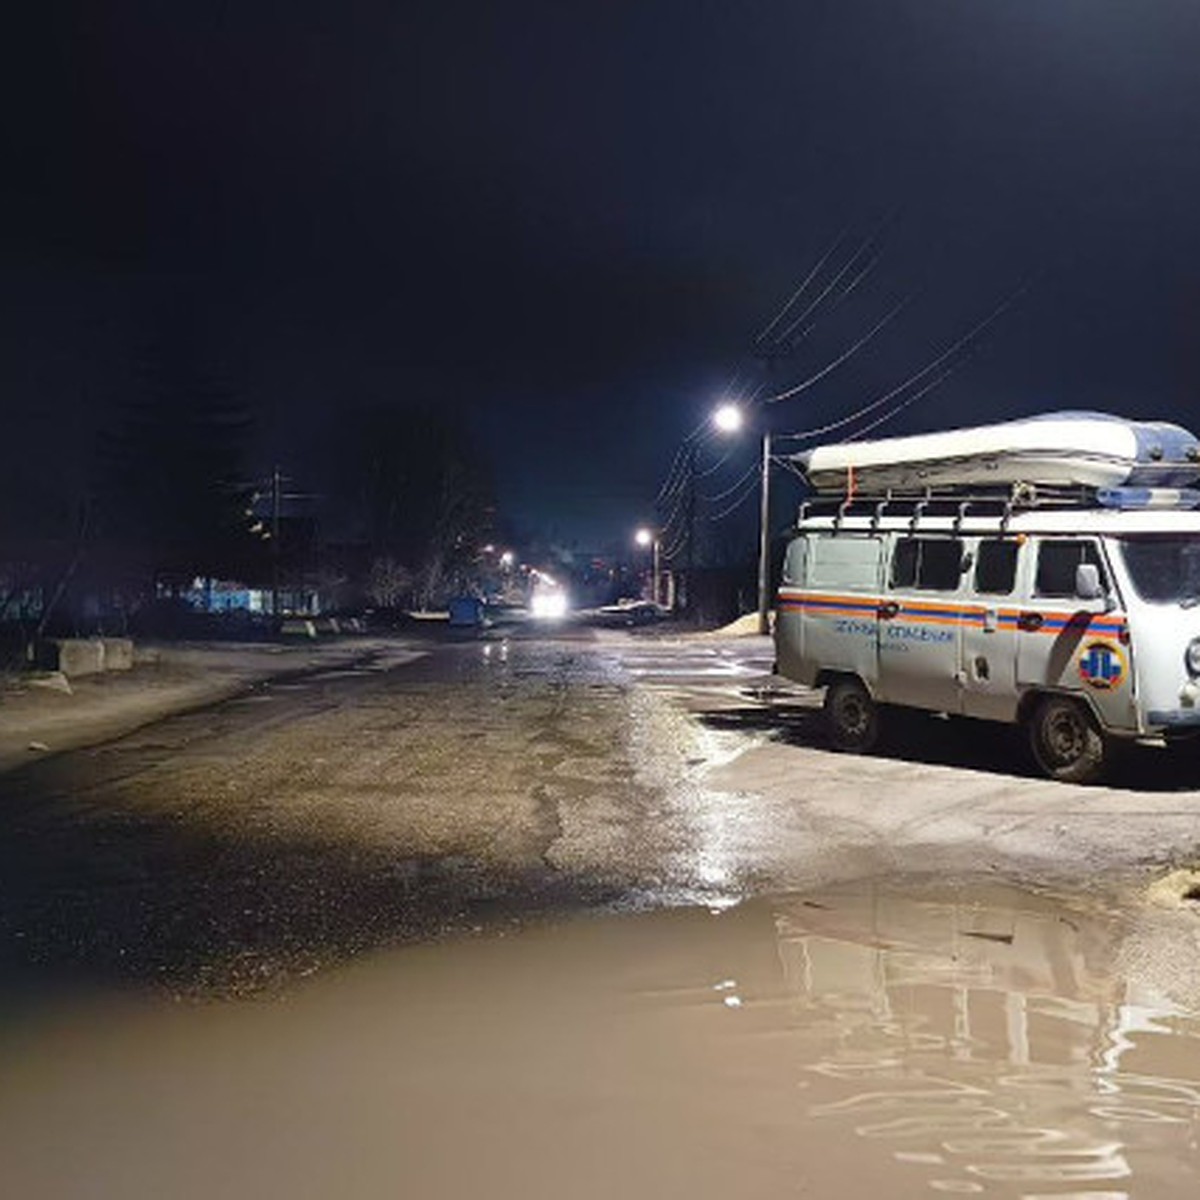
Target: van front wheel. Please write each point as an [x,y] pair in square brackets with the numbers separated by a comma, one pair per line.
[851,716]
[1066,741]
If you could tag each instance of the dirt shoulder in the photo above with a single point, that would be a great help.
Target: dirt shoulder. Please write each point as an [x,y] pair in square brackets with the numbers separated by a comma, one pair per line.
[50,715]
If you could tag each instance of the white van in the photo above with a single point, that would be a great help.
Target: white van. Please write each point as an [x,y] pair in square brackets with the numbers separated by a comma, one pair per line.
[1073,613]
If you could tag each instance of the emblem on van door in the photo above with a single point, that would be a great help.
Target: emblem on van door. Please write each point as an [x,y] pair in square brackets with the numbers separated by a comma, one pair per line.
[1102,665]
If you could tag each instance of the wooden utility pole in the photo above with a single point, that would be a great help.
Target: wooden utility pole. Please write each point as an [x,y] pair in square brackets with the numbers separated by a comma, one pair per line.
[276,505]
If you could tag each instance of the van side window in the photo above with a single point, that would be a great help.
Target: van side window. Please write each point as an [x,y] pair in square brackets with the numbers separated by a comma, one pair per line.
[1057,561]
[996,567]
[932,564]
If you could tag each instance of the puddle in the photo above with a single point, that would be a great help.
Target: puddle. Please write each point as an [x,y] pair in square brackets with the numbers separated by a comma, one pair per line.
[855,1042]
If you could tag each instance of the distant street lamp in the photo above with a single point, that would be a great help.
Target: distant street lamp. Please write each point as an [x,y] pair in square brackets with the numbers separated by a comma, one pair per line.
[648,538]
[729,419]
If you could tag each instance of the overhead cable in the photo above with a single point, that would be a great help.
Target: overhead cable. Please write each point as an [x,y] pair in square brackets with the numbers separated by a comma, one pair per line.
[837,241]
[880,401]
[837,362]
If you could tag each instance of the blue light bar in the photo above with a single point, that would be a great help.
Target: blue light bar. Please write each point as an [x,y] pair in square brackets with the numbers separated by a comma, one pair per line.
[1141,497]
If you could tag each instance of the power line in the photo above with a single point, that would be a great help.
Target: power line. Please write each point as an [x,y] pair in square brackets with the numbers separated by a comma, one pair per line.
[733,487]
[878,403]
[837,241]
[864,246]
[837,362]
[749,490]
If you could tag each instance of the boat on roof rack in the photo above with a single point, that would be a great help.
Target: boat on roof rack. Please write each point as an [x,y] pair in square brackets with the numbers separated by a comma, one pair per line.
[1092,455]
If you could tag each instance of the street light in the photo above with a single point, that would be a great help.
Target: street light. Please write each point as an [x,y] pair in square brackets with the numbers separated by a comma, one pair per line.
[729,419]
[648,538]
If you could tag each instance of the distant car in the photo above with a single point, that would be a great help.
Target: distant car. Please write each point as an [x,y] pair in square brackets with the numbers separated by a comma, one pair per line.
[549,605]
[630,612]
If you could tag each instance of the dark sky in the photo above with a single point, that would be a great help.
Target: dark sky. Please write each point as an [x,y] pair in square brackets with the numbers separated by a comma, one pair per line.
[567,220]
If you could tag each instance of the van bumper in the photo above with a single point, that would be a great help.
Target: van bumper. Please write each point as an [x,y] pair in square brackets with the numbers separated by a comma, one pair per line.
[1174,718]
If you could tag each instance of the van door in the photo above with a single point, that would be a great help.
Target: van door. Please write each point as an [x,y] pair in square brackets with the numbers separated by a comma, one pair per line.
[1069,643]
[920,620]
[838,604]
[989,633]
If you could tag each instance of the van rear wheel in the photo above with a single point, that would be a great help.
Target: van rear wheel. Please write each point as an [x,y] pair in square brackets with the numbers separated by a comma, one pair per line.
[851,716]
[1066,741]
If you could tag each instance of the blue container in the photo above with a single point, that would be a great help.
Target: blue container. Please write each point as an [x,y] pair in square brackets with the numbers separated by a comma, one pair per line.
[466,612]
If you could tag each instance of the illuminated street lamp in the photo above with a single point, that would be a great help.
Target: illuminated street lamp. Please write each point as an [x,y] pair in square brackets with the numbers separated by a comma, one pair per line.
[648,538]
[728,419]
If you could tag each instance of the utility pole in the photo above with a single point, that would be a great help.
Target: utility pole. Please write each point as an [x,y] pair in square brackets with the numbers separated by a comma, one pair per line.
[764,539]
[689,561]
[276,504]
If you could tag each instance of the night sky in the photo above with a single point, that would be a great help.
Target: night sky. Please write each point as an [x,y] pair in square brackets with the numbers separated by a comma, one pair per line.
[569,220]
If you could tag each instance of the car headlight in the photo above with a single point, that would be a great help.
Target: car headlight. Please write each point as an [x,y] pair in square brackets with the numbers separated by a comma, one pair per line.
[549,605]
[1192,656]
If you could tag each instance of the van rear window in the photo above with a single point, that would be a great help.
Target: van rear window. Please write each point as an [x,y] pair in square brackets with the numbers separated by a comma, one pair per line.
[848,564]
[933,564]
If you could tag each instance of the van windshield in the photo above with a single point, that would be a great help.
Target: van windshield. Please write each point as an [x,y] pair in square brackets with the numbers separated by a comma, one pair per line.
[1165,569]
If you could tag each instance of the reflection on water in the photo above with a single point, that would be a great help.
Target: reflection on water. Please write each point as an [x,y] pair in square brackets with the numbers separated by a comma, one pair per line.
[983,1046]
[860,1042]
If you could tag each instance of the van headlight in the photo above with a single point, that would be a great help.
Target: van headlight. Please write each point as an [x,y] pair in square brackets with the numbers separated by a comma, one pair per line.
[1192,656]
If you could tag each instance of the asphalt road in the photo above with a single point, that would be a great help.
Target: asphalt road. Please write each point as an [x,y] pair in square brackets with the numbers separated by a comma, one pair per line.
[232,850]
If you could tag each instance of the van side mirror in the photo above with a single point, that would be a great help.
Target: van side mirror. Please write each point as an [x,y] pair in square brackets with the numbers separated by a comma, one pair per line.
[1087,582]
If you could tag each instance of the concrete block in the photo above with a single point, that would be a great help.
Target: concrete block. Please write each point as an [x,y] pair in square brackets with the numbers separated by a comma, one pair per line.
[118,654]
[297,627]
[80,656]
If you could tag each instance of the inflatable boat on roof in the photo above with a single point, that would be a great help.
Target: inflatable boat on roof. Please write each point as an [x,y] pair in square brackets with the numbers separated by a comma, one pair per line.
[1063,449]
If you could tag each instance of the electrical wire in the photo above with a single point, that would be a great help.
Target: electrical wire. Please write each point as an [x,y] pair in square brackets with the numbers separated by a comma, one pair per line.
[880,401]
[867,243]
[837,241]
[749,490]
[733,487]
[909,400]
[837,362]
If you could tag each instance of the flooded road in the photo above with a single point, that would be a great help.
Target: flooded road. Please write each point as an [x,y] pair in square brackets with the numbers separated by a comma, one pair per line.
[584,916]
[889,1039]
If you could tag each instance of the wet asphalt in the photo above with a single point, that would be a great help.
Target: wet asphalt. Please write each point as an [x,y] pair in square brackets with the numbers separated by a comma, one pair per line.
[234,849]
[499,780]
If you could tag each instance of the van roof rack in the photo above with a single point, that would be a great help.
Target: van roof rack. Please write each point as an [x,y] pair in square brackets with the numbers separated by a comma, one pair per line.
[1000,502]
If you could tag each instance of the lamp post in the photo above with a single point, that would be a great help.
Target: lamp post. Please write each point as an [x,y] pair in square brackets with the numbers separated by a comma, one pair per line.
[729,419]
[647,537]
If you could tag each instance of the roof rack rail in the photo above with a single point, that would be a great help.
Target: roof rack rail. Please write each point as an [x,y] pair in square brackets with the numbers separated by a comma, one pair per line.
[955,502]
[1002,502]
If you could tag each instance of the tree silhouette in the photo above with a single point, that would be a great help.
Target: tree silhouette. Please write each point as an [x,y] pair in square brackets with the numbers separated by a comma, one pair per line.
[421,491]
[170,494]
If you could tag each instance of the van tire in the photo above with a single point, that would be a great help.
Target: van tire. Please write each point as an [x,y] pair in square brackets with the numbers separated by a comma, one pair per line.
[1066,741]
[851,716]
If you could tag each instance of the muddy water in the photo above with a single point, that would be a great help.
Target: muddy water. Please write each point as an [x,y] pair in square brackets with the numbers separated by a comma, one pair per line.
[859,1042]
